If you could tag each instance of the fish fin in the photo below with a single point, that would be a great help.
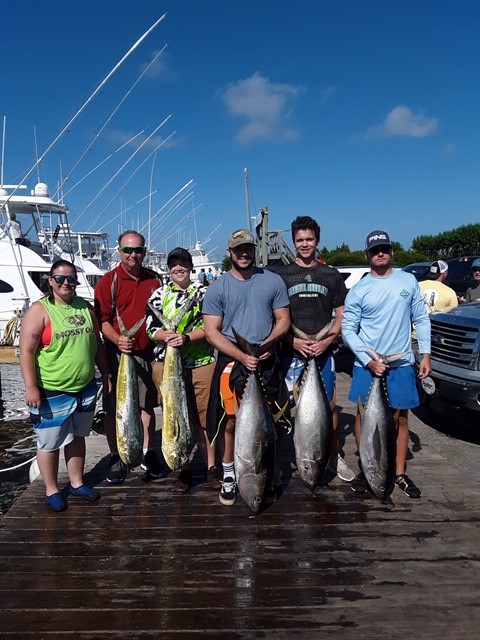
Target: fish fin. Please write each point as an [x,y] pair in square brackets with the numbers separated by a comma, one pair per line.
[281,410]
[236,404]
[295,392]
[133,330]
[299,333]
[171,324]
[396,356]
[379,357]
[252,349]
[165,322]
[323,333]
[326,331]
[244,344]
[361,406]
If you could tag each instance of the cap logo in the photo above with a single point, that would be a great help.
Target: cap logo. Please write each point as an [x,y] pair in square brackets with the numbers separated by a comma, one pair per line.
[380,236]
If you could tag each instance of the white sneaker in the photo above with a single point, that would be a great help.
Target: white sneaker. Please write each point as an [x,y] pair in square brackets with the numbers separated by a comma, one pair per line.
[339,466]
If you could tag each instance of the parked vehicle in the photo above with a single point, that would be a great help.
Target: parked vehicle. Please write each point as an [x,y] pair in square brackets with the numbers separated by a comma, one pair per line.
[418,269]
[455,375]
[460,276]
[352,275]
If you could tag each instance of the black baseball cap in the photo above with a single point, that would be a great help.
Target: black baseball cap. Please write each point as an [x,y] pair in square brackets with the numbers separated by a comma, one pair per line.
[180,254]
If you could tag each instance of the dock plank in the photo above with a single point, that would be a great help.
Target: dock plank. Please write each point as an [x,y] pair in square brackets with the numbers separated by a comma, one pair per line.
[144,563]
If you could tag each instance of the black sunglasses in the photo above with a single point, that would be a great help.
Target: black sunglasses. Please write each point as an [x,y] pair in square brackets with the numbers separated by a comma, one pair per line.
[130,250]
[474,269]
[61,279]
[381,248]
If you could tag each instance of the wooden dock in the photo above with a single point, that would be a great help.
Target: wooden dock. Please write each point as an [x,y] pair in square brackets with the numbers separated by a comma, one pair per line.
[145,563]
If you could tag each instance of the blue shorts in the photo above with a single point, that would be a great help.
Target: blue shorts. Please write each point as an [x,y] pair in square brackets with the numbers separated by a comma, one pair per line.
[293,369]
[62,416]
[401,386]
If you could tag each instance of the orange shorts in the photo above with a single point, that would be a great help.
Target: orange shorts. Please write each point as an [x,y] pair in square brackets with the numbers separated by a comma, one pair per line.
[229,400]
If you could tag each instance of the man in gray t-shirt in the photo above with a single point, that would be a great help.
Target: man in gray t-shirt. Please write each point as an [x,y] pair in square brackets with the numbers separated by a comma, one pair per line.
[255,302]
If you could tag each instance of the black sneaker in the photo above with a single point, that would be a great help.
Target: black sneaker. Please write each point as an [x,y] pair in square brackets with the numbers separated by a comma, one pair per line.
[213,479]
[117,471]
[359,483]
[152,466]
[228,492]
[183,482]
[408,487]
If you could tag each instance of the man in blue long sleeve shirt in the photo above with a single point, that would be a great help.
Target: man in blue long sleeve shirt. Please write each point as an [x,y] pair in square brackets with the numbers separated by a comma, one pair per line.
[378,315]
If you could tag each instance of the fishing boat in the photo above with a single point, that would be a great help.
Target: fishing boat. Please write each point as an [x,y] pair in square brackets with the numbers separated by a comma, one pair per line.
[203,260]
[41,236]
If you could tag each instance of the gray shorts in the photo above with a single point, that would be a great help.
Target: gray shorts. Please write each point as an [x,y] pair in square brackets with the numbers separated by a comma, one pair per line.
[147,392]
[62,416]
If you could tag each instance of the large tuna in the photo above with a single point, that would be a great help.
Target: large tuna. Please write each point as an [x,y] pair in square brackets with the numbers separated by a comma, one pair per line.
[312,435]
[378,435]
[254,436]
[129,428]
[177,433]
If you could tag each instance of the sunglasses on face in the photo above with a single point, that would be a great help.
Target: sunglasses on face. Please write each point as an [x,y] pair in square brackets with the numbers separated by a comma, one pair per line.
[476,269]
[381,248]
[61,279]
[130,250]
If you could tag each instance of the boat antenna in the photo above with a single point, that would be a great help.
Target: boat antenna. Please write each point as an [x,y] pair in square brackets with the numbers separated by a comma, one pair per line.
[3,148]
[88,100]
[150,202]
[247,198]
[36,153]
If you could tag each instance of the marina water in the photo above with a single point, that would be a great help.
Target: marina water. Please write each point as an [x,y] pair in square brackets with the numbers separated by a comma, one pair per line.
[17,440]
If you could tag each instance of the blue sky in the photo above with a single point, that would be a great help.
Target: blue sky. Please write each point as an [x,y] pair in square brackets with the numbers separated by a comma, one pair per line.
[362,114]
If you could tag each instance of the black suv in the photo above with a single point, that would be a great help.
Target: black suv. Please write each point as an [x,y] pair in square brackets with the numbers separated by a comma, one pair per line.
[460,276]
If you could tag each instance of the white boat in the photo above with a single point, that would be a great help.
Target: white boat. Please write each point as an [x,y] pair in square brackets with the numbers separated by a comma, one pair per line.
[45,237]
[23,277]
[202,260]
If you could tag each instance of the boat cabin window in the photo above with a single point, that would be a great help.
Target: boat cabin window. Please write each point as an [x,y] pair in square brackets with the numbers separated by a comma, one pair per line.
[5,287]
[40,279]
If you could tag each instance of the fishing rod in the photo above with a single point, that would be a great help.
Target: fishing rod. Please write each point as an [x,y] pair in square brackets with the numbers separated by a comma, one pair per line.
[115,175]
[124,184]
[101,163]
[110,117]
[85,104]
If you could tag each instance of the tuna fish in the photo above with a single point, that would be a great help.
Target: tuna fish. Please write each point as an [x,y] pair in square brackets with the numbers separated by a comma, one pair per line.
[254,436]
[378,435]
[129,428]
[177,433]
[312,435]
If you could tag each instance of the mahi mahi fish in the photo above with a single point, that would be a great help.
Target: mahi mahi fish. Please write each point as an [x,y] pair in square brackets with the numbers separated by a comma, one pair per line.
[254,435]
[312,435]
[378,434]
[177,433]
[128,424]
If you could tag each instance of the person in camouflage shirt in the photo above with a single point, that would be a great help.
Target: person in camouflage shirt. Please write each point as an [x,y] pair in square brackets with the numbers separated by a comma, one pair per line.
[197,354]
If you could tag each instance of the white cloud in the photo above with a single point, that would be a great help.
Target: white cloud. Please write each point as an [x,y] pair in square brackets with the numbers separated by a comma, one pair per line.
[449,149]
[328,93]
[266,106]
[401,121]
[158,65]
[134,141]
